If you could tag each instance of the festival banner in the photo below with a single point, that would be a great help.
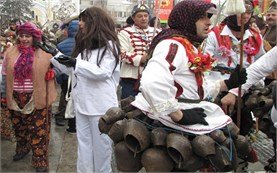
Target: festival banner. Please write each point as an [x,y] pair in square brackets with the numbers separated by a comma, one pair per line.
[163,10]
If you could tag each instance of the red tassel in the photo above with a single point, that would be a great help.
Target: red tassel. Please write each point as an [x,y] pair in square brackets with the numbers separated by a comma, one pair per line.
[252,156]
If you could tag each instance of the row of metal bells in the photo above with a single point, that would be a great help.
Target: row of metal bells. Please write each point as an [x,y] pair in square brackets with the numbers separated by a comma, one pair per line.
[158,150]
[260,100]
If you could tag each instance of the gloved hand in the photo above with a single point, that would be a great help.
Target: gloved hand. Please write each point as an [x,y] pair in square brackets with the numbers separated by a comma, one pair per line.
[3,102]
[66,60]
[193,116]
[50,74]
[237,77]
[47,48]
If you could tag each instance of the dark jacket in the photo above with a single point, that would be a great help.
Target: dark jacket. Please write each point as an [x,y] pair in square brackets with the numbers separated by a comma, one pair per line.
[67,45]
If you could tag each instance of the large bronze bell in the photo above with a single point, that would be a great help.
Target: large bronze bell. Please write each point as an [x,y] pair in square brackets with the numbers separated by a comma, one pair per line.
[221,159]
[229,144]
[218,136]
[125,159]
[136,136]
[156,160]
[264,124]
[158,137]
[116,131]
[134,113]
[251,102]
[104,127]
[231,129]
[125,104]
[203,146]
[113,114]
[178,147]
[242,146]
[265,103]
[193,164]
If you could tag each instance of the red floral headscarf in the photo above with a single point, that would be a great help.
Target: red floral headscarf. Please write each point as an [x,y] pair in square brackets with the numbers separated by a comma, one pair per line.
[182,21]
[31,29]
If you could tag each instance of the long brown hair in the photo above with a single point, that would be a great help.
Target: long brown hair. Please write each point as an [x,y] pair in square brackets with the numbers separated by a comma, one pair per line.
[100,29]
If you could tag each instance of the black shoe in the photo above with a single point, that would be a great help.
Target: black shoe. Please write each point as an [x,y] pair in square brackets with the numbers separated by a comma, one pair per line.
[41,169]
[60,122]
[17,157]
[72,131]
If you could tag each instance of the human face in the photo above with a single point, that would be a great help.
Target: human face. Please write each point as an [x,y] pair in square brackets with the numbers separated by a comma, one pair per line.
[141,19]
[246,18]
[271,18]
[26,40]
[13,26]
[82,26]
[202,26]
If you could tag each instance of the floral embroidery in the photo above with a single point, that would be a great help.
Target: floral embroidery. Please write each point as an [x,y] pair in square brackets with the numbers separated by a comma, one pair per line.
[249,49]
[198,62]
[224,51]
[201,62]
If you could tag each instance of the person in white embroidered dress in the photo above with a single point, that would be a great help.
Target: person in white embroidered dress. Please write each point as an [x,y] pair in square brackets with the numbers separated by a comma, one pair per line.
[172,84]
[223,43]
[134,41]
[95,76]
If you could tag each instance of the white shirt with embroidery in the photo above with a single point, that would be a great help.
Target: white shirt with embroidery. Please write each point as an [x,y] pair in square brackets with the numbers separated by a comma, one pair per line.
[134,43]
[157,96]
[212,47]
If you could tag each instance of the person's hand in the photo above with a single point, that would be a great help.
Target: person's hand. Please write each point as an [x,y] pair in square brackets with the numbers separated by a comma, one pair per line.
[3,102]
[193,116]
[228,102]
[144,58]
[237,77]
[66,60]
[50,74]
[47,48]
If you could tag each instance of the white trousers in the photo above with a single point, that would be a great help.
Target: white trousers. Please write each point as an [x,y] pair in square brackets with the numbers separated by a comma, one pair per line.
[94,150]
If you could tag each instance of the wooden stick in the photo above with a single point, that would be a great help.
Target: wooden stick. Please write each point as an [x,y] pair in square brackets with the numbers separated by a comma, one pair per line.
[157,18]
[47,122]
[241,65]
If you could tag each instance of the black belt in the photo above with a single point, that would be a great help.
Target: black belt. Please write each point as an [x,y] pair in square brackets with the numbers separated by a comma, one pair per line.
[189,100]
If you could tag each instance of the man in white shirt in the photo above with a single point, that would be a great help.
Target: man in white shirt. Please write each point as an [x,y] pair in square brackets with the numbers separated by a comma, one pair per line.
[135,41]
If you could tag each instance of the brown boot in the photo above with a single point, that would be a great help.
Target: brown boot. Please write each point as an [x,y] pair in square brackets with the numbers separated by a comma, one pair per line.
[20,156]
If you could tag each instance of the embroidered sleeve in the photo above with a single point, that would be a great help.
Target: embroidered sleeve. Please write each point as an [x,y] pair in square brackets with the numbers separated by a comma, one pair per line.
[130,54]
[157,82]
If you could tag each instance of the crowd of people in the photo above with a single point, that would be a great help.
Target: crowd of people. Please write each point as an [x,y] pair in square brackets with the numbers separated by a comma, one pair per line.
[177,75]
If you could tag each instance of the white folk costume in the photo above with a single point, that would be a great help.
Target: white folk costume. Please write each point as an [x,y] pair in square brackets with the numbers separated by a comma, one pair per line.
[225,47]
[164,81]
[134,43]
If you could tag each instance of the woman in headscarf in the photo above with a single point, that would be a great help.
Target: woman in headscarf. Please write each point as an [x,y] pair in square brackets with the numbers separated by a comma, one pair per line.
[173,88]
[30,92]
